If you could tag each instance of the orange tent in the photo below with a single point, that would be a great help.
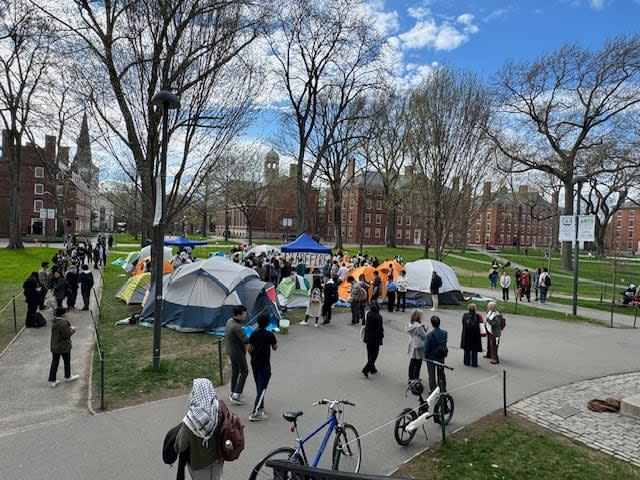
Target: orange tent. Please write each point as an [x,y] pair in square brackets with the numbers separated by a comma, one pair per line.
[166,266]
[345,287]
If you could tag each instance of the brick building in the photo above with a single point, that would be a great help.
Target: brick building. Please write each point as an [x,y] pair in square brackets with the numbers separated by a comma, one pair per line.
[625,229]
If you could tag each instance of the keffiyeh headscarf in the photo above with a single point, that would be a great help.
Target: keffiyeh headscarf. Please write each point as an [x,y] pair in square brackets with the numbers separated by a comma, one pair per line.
[202,415]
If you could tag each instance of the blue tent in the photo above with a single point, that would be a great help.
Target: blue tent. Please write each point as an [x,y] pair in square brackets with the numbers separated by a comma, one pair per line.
[304,243]
[184,242]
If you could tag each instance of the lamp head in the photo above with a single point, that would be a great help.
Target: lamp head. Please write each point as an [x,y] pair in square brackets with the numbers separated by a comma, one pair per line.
[166,99]
[579,179]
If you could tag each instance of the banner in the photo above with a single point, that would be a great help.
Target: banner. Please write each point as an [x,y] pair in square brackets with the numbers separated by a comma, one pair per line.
[586,228]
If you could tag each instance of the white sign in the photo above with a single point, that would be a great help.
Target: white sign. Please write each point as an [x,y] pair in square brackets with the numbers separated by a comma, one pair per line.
[567,230]
[47,213]
[586,228]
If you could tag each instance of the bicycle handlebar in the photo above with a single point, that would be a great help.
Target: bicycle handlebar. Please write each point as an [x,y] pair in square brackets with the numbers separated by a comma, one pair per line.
[439,364]
[324,401]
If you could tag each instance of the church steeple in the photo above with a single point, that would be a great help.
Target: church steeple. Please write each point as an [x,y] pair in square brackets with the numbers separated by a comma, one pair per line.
[82,160]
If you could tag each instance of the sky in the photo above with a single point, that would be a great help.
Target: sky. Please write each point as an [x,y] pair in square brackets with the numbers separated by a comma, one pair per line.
[481,35]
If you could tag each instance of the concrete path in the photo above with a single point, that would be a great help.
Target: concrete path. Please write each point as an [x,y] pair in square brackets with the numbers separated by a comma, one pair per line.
[48,434]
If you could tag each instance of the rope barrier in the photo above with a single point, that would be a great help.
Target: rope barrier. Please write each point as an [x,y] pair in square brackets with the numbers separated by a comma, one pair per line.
[10,302]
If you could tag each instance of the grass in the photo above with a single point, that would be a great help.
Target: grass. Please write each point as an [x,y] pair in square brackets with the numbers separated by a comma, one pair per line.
[499,447]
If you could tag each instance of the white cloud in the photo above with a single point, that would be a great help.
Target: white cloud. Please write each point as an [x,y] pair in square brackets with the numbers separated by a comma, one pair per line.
[419,13]
[598,4]
[446,36]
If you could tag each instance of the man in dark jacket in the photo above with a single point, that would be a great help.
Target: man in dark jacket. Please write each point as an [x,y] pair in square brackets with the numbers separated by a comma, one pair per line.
[61,332]
[373,335]
[330,297]
[436,337]
[32,296]
[72,286]
[236,348]
[434,289]
[85,278]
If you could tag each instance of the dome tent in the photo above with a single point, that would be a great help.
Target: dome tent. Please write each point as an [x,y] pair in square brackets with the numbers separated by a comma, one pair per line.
[419,280]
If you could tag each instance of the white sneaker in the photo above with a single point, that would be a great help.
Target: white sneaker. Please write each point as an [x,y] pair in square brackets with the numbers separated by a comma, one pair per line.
[72,378]
[316,325]
[258,416]
[54,383]
[236,399]
[304,323]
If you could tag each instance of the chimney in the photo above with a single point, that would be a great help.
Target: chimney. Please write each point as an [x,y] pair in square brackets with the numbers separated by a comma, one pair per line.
[486,191]
[63,156]
[293,170]
[408,170]
[50,149]
[351,169]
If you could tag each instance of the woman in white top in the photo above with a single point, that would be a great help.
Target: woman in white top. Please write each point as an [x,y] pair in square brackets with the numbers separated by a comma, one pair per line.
[492,332]
[415,349]
[505,283]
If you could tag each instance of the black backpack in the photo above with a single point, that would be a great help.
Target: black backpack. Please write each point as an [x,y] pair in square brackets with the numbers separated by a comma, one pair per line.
[35,321]
[547,281]
[169,454]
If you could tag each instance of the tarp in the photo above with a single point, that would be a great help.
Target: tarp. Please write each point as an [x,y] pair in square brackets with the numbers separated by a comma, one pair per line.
[200,296]
[293,292]
[419,280]
[132,292]
[184,242]
[139,268]
[304,243]
[268,250]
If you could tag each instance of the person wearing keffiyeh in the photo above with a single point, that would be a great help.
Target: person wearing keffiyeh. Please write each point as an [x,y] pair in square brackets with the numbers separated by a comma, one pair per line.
[200,432]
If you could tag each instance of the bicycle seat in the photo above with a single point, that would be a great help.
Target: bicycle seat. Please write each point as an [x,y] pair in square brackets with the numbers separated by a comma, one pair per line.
[291,416]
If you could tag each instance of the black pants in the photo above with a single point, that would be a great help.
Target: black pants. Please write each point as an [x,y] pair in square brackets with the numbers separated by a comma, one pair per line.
[59,302]
[505,293]
[436,374]
[85,297]
[415,364]
[32,308]
[402,298]
[43,296]
[261,376]
[391,300]
[372,356]
[71,297]
[470,358]
[326,311]
[55,362]
[239,372]
[355,311]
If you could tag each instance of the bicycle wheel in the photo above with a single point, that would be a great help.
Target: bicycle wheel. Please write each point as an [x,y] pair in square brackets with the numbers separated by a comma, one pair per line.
[262,472]
[448,410]
[347,453]
[403,437]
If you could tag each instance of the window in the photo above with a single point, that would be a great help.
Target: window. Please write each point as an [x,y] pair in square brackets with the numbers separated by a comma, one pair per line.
[343,217]
[60,190]
[38,172]
[369,192]
[378,219]
[502,227]
[477,227]
[509,228]
[351,203]
[408,220]
[344,203]
[509,218]
[367,218]
[378,204]
[350,232]
[399,208]
[477,238]
[488,227]
[37,205]
[399,222]
[487,239]
[630,234]
[350,218]
[367,232]
[379,193]
[287,222]
[488,216]
[377,233]
[369,203]
[38,189]
[407,234]
[501,239]
[399,235]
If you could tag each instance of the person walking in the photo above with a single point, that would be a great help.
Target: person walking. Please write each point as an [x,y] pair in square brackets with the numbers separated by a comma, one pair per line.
[544,283]
[536,282]
[330,297]
[391,294]
[415,349]
[434,289]
[435,344]
[199,433]
[505,283]
[470,341]
[373,335]
[492,326]
[61,332]
[261,342]
[85,279]
[403,286]
[236,347]
[314,308]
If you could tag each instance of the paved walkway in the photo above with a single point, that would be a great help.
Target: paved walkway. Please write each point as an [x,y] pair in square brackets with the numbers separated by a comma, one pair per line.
[311,364]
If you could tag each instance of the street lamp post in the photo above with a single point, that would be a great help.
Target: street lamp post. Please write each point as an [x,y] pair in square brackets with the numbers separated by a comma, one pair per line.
[168,101]
[579,180]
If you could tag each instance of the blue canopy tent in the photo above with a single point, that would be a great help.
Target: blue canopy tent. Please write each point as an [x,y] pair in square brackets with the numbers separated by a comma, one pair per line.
[184,242]
[305,244]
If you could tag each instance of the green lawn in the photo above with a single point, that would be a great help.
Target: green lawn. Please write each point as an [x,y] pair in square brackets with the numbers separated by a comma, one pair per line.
[498,447]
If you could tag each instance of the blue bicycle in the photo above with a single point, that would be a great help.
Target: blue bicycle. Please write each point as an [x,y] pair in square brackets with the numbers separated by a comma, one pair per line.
[346,453]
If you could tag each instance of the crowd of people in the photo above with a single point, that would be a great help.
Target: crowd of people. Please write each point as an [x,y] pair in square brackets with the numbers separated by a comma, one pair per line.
[540,282]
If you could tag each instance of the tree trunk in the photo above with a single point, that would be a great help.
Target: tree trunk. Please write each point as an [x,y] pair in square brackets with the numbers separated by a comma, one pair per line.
[337,220]
[390,241]
[301,203]
[601,239]
[565,256]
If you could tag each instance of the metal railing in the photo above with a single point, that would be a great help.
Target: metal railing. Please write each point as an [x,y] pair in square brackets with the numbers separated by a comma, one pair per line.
[283,469]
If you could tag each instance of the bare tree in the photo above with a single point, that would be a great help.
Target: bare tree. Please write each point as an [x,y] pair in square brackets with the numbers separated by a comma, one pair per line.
[25,47]
[321,49]
[445,119]
[386,151]
[126,51]
[562,104]
[245,189]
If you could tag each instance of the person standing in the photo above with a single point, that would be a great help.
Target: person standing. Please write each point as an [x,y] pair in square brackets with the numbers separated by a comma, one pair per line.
[373,335]
[415,349]
[61,332]
[505,283]
[518,277]
[536,282]
[364,296]
[85,279]
[471,342]
[72,286]
[314,309]
[391,294]
[45,281]
[377,286]
[330,297]
[60,287]
[236,347]
[437,337]
[31,289]
[526,285]
[493,277]
[434,289]
[543,284]
[493,331]
[354,299]
[199,433]
[261,342]
[403,286]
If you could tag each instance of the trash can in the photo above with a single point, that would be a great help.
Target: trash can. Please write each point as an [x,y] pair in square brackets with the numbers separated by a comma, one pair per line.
[284,326]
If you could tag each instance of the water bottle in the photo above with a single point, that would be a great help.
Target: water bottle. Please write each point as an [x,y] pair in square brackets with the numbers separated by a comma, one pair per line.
[228,445]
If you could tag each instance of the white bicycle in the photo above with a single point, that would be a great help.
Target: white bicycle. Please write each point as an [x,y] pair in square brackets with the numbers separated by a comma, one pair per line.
[410,419]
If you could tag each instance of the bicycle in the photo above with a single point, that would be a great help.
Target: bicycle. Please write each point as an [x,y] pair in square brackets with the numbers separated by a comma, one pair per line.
[410,419]
[346,452]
